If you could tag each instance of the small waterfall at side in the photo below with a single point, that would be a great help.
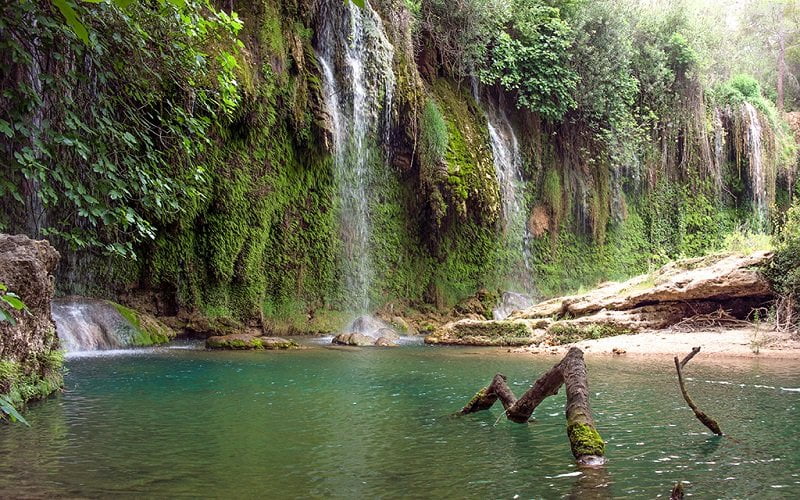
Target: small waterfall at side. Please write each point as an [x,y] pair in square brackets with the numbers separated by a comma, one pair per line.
[718,163]
[355,57]
[90,325]
[756,171]
[508,168]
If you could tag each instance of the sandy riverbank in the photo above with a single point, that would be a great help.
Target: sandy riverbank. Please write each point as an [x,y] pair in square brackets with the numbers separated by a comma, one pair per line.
[722,342]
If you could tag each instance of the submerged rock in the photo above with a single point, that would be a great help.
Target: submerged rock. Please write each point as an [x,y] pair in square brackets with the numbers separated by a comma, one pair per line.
[244,341]
[30,360]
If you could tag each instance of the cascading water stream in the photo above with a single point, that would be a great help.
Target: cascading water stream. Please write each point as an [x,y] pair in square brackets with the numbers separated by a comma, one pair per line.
[355,56]
[90,325]
[508,168]
[756,165]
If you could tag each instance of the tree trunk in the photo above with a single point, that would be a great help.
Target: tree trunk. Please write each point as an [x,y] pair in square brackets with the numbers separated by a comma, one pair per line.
[587,445]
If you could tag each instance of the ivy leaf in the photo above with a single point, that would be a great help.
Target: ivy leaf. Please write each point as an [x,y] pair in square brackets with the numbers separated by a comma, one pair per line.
[72,20]
[6,129]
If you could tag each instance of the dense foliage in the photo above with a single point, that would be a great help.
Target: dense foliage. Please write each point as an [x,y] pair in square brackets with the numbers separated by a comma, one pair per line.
[191,144]
[90,98]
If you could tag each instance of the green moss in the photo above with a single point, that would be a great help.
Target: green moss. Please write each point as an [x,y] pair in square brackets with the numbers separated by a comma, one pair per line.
[585,440]
[566,333]
[36,379]
[146,329]
[235,342]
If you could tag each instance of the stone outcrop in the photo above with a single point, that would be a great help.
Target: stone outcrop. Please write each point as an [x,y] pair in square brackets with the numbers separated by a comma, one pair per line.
[677,291]
[30,359]
[354,339]
[243,341]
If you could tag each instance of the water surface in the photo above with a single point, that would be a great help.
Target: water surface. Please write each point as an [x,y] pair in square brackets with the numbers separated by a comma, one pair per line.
[377,423]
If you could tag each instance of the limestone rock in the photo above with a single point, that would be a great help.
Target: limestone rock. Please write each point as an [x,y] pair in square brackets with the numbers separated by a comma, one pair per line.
[710,278]
[277,343]
[676,291]
[385,342]
[489,332]
[30,365]
[234,341]
[354,339]
[403,326]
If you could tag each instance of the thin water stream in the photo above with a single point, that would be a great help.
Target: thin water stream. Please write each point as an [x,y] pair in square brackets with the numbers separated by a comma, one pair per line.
[351,423]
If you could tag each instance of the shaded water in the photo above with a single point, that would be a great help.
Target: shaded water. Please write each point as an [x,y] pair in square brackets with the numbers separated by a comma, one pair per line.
[376,423]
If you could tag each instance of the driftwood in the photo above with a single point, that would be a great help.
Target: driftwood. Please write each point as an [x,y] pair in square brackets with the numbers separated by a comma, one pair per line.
[587,445]
[702,417]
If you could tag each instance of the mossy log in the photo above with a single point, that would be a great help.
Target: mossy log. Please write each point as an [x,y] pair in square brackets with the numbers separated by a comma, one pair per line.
[701,416]
[587,445]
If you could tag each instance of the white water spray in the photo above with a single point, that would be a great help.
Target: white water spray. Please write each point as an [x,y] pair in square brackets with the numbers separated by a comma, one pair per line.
[358,82]
[758,184]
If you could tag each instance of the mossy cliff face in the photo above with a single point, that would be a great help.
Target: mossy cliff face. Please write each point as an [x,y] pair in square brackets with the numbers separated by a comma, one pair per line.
[262,244]
[30,359]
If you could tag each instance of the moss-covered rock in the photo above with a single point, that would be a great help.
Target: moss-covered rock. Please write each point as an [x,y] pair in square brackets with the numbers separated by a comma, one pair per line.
[147,329]
[489,333]
[243,341]
[30,356]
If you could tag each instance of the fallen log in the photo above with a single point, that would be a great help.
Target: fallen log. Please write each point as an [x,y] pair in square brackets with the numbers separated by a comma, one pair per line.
[702,417]
[587,445]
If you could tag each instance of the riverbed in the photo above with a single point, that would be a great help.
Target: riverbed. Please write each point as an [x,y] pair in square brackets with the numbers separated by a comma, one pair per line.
[363,423]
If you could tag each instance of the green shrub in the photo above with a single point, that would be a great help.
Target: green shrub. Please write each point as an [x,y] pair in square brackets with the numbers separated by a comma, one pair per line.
[784,269]
[433,133]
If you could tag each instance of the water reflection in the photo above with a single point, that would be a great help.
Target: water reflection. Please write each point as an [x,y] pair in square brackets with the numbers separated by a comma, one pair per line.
[365,423]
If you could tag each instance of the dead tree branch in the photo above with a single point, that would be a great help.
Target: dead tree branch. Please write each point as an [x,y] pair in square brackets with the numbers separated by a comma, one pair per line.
[702,417]
[587,445]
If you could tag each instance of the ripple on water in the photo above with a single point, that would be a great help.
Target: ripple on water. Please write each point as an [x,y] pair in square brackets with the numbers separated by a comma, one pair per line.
[370,422]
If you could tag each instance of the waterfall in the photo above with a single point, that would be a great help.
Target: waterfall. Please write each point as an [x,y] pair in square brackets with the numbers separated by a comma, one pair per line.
[507,160]
[356,61]
[755,163]
[719,151]
[90,325]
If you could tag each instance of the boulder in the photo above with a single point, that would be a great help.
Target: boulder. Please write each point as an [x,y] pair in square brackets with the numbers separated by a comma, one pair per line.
[387,333]
[385,342]
[277,343]
[489,332]
[235,341]
[354,339]
[30,360]
[403,326]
